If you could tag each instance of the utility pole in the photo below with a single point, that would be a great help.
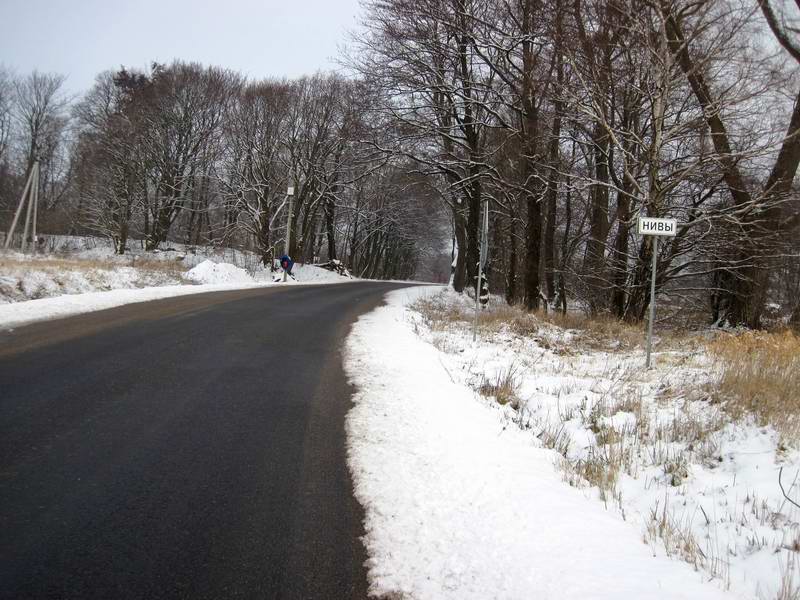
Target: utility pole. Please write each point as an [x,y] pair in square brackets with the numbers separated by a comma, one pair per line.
[33,200]
[290,215]
[30,194]
[35,207]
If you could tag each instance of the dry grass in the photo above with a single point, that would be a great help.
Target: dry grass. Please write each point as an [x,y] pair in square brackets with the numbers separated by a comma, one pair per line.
[789,588]
[8,263]
[438,314]
[759,373]
[601,332]
[46,276]
[679,540]
[171,267]
[55,264]
[503,387]
[600,468]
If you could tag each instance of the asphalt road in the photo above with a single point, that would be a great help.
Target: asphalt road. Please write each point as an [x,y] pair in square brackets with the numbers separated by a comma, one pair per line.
[184,448]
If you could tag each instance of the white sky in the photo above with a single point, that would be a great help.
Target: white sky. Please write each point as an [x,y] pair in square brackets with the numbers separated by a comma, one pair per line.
[80,38]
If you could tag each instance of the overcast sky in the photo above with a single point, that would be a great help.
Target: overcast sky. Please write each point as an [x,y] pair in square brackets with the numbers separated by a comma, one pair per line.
[80,38]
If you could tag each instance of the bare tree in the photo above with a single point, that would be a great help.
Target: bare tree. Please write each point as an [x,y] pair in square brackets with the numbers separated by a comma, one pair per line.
[6,103]
[254,178]
[186,105]
[111,163]
[756,203]
[41,118]
[437,93]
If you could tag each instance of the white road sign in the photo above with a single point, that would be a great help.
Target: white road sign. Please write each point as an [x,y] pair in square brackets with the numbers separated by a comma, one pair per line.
[657,227]
[653,226]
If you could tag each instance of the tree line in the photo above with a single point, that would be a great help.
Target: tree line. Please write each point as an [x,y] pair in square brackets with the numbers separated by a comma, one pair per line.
[200,155]
[571,118]
[574,117]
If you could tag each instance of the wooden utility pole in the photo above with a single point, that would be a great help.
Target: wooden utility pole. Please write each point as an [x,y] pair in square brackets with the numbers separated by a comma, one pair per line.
[30,195]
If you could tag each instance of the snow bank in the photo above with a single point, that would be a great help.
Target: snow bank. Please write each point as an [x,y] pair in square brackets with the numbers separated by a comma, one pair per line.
[23,313]
[210,272]
[30,277]
[690,478]
[461,504]
[314,274]
[28,282]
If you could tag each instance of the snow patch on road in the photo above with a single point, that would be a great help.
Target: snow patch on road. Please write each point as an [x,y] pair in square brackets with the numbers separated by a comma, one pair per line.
[460,503]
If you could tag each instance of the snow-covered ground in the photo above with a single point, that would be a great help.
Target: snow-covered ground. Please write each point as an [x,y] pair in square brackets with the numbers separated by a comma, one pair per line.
[598,479]
[72,275]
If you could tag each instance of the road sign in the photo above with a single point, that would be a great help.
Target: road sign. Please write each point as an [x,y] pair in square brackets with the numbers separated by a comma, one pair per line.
[654,226]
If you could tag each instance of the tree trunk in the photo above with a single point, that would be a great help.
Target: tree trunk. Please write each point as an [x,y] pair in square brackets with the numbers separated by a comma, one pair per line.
[264,234]
[459,227]
[794,320]
[533,232]
[550,227]
[594,261]
[619,263]
[554,160]
[530,131]
[330,232]
[511,277]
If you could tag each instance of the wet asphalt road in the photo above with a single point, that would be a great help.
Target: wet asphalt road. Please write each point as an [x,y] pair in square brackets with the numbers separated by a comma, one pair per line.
[185,448]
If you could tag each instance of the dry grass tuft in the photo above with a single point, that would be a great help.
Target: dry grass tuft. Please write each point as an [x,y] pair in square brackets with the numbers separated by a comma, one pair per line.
[759,373]
[789,588]
[503,387]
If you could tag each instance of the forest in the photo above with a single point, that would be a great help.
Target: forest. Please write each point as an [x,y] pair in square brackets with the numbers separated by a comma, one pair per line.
[569,118]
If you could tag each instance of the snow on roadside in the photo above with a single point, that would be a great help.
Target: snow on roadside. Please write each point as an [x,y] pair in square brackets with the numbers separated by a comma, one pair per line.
[25,277]
[43,309]
[219,273]
[71,275]
[655,446]
[460,503]
[313,274]
[216,278]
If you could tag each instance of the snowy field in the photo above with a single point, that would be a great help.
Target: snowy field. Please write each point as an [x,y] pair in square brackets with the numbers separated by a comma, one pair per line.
[537,465]
[71,275]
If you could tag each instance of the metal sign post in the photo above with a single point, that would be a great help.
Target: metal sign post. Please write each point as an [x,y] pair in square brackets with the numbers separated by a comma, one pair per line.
[481,265]
[654,227]
[290,194]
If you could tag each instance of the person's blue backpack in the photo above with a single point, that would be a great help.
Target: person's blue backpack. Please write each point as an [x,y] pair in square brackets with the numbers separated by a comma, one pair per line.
[287,263]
